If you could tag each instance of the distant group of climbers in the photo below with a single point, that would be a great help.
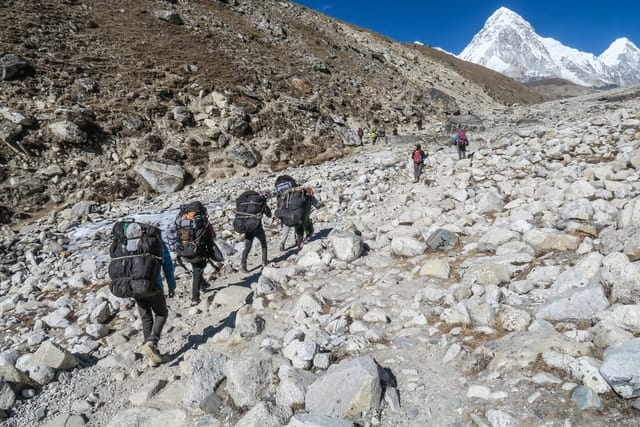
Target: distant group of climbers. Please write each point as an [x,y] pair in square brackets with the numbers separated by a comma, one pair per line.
[139,254]
[373,135]
[418,156]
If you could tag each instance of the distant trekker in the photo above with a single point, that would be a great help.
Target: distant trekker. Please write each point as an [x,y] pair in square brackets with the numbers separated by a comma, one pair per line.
[418,156]
[462,142]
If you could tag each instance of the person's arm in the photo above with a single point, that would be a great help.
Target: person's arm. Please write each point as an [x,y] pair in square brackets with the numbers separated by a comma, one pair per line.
[315,202]
[267,210]
[212,232]
[167,267]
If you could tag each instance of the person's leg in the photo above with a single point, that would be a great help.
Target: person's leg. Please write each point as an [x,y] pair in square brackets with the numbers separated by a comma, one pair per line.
[464,152]
[262,238]
[307,226]
[285,233]
[248,242]
[299,229]
[146,316]
[159,307]
[198,280]
[151,327]
[416,172]
[420,166]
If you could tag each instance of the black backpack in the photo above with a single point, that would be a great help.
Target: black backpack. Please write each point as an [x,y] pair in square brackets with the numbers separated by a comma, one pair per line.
[136,257]
[292,206]
[284,183]
[191,232]
[249,209]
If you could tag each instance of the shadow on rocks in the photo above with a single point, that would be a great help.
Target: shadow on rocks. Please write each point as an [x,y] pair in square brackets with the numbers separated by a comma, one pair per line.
[196,340]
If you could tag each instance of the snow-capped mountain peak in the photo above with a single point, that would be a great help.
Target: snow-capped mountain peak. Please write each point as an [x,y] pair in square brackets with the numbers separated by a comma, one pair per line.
[619,48]
[507,43]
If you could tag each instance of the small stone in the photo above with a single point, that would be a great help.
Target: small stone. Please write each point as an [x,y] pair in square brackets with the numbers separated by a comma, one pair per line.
[585,398]
[479,391]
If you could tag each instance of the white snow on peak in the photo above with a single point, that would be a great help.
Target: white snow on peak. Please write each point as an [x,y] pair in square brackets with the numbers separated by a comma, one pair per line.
[617,49]
[419,43]
[507,43]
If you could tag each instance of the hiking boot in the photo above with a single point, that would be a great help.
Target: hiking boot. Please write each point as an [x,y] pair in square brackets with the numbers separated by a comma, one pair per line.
[195,302]
[151,351]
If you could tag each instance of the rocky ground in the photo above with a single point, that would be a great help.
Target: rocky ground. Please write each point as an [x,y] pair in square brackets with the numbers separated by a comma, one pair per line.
[501,290]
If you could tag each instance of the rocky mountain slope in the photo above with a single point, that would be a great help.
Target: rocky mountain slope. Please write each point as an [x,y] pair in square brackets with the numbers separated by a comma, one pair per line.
[509,44]
[103,101]
[501,290]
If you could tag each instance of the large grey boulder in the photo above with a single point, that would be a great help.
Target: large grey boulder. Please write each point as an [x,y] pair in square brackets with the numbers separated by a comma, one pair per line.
[12,66]
[170,16]
[7,396]
[407,246]
[149,417]
[575,303]
[442,239]
[520,349]
[621,368]
[9,131]
[347,246]
[464,121]
[67,131]
[629,214]
[293,386]
[580,209]
[265,414]
[317,420]
[205,371]
[67,420]
[490,202]
[243,155]
[347,389]
[162,177]
[249,380]
[16,378]
[53,356]
[585,398]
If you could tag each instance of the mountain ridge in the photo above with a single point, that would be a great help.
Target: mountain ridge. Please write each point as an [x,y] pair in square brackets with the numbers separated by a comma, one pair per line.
[509,44]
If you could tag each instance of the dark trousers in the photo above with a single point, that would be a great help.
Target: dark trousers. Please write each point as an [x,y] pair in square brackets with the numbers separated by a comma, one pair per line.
[462,152]
[248,242]
[198,279]
[147,307]
[299,229]
[417,171]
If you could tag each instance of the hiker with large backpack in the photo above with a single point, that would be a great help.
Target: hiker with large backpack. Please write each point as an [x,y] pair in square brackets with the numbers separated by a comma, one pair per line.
[462,142]
[418,156]
[195,244]
[138,255]
[250,206]
[307,223]
[293,210]
[283,184]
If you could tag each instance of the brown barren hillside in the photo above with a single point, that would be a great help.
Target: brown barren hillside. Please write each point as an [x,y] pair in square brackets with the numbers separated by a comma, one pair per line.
[104,100]
[502,88]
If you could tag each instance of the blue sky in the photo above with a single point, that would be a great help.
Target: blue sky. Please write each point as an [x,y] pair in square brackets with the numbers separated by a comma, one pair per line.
[588,25]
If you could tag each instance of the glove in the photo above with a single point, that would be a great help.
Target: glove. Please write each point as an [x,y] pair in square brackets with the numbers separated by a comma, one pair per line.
[172,293]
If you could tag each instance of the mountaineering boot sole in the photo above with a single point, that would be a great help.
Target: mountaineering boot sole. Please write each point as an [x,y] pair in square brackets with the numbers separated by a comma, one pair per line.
[149,349]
